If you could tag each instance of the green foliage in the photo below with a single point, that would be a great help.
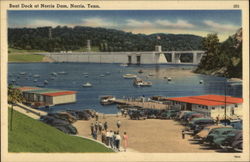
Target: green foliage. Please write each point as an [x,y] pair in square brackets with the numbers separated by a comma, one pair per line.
[25,58]
[34,136]
[73,39]
[225,57]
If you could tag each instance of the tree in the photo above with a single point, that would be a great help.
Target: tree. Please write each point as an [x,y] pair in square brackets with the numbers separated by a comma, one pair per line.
[14,96]
[211,47]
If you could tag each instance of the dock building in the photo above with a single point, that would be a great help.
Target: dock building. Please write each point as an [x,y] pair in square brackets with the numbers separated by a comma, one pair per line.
[37,97]
[209,105]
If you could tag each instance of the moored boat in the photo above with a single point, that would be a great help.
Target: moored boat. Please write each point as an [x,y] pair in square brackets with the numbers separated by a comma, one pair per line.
[107,100]
[141,83]
[87,84]
[129,76]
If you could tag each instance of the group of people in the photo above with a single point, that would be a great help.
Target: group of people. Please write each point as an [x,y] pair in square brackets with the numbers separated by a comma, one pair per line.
[110,138]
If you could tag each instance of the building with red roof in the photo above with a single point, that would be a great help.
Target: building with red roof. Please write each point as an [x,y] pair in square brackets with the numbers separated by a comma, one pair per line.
[47,97]
[210,105]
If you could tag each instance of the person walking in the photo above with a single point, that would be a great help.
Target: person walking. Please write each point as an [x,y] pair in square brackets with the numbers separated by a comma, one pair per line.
[125,141]
[107,138]
[95,135]
[117,140]
[118,124]
[105,126]
[103,136]
[111,141]
[100,127]
[92,128]
[96,126]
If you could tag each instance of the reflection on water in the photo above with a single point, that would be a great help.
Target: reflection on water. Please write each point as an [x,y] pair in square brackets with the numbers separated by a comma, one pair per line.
[107,80]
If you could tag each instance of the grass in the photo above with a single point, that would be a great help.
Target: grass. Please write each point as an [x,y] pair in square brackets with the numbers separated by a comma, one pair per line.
[84,49]
[30,135]
[25,58]
[22,51]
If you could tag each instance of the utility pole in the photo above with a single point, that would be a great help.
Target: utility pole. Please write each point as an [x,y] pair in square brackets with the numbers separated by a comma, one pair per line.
[225,90]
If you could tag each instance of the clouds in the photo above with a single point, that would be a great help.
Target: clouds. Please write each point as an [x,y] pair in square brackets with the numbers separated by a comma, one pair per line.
[138,24]
[182,24]
[217,27]
[98,22]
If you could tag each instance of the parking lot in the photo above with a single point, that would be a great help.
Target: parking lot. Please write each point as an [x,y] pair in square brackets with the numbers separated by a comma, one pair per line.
[148,136]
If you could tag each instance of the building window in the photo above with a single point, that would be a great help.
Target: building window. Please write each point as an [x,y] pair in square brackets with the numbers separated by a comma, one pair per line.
[213,108]
[222,107]
[235,105]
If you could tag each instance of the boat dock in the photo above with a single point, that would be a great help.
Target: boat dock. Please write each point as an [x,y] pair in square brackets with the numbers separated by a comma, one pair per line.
[145,104]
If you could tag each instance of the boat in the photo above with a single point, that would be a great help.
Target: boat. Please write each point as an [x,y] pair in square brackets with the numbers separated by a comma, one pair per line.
[52,78]
[35,80]
[36,76]
[201,81]
[107,73]
[22,73]
[150,74]
[169,78]
[87,84]
[102,75]
[124,65]
[54,73]
[46,82]
[141,83]
[62,73]
[85,73]
[107,100]
[129,76]
[140,71]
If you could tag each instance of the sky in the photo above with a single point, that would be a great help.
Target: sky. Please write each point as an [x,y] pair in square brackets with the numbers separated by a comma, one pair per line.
[197,22]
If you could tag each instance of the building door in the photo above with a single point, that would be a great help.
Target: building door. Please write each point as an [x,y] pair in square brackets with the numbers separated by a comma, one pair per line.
[129,59]
[138,59]
[189,106]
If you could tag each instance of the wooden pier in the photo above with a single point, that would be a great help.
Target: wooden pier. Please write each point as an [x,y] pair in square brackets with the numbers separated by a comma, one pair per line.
[145,104]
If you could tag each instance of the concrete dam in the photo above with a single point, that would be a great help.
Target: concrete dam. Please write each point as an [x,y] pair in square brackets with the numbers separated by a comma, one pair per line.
[151,57]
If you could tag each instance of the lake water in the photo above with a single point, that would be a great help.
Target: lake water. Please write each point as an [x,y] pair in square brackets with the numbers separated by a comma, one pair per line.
[107,80]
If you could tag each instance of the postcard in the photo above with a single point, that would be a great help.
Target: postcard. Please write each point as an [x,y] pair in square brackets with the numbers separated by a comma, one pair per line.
[124,80]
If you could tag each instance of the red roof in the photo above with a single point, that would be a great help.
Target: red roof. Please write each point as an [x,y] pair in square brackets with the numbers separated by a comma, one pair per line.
[208,100]
[59,93]
[27,88]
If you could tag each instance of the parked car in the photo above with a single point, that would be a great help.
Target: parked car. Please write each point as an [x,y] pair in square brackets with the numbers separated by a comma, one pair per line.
[63,116]
[169,114]
[202,135]
[136,114]
[217,133]
[195,115]
[80,114]
[62,125]
[197,124]
[232,142]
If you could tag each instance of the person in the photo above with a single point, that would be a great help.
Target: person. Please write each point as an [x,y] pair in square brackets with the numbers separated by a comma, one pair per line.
[108,138]
[92,128]
[125,113]
[95,135]
[217,119]
[117,140]
[118,124]
[183,134]
[103,136]
[96,116]
[111,141]
[100,127]
[125,141]
[96,126]
[105,125]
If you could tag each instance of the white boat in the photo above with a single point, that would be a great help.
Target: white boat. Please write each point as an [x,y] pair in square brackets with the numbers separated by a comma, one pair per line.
[129,76]
[54,73]
[36,76]
[201,81]
[124,65]
[85,73]
[62,73]
[169,78]
[87,84]
[46,82]
[141,83]
[22,73]
[107,100]
[102,75]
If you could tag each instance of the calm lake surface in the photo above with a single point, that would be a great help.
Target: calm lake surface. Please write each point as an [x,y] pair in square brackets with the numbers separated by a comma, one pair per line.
[107,80]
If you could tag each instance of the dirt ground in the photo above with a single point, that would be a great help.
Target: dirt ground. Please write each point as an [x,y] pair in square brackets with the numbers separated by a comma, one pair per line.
[147,136]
